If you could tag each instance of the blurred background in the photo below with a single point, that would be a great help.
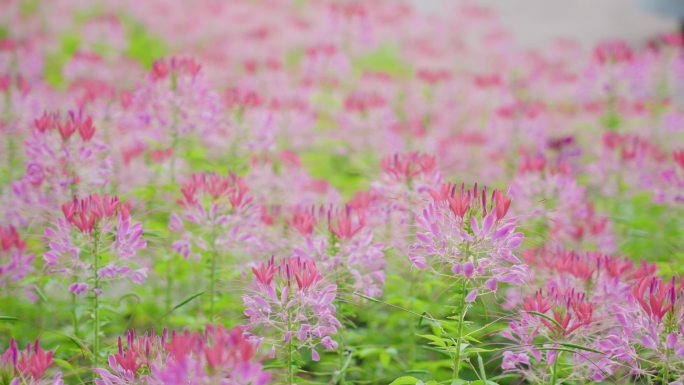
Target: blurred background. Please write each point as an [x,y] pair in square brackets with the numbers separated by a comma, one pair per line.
[536,23]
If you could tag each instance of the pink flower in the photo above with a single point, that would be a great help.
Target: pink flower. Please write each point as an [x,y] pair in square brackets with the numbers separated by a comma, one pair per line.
[15,261]
[291,298]
[215,356]
[29,366]
[106,221]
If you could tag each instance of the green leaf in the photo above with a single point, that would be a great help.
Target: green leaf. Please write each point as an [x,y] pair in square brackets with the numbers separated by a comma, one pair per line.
[8,318]
[480,363]
[406,380]
[580,347]
[438,341]
[185,301]
[547,318]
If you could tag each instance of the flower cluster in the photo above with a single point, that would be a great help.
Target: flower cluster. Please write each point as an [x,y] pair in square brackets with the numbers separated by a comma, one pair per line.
[216,356]
[290,302]
[346,248]
[467,232]
[63,158]
[15,261]
[30,366]
[93,230]
[605,314]
[216,211]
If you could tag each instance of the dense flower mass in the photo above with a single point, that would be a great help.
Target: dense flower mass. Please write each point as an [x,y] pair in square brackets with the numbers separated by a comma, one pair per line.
[216,356]
[466,231]
[27,366]
[92,228]
[15,262]
[291,302]
[277,179]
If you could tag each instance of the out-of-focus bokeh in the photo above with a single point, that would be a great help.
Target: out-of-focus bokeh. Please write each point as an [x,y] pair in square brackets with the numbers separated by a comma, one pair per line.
[536,23]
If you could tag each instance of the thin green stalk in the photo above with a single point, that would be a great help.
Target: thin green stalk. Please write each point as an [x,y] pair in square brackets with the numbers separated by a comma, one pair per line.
[169,284]
[554,375]
[461,317]
[212,273]
[74,315]
[290,372]
[96,301]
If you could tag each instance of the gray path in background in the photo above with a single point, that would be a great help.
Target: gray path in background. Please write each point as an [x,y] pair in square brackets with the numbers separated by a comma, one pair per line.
[535,23]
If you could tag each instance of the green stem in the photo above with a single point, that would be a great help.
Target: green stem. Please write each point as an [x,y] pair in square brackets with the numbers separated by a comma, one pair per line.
[462,311]
[169,284]
[212,273]
[96,301]
[74,315]
[554,375]
[290,372]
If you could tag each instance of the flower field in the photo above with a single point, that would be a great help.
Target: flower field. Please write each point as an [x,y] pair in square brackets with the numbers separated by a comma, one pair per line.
[254,192]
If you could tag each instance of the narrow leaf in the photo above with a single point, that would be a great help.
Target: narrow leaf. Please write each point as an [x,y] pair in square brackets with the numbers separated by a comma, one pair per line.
[185,301]
[580,347]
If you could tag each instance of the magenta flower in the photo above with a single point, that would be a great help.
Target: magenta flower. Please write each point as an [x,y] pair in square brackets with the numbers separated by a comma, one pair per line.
[62,158]
[15,261]
[290,302]
[216,211]
[461,232]
[216,356]
[29,366]
[95,220]
[346,249]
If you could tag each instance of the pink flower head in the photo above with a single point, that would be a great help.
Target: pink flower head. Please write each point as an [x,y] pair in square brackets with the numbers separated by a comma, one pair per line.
[87,212]
[31,364]
[655,297]
[291,299]
[342,224]
[106,220]
[15,263]
[215,356]
[303,220]
[404,167]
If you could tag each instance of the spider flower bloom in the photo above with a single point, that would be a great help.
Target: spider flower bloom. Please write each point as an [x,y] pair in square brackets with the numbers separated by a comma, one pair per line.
[28,366]
[469,233]
[670,185]
[652,322]
[175,99]
[291,303]
[101,225]
[346,249]
[549,318]
[216,210]
[63,157]
[215,356]
[405,167]
[404,179]
[15,262]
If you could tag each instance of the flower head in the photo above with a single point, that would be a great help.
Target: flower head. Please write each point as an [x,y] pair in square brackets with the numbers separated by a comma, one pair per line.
[290,300]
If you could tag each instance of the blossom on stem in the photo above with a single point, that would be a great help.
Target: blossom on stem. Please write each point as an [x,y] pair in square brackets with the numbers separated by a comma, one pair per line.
[28,366]
[15,261]
[468,233]
[290,302]
[63,157]
[215,356]
[102,220]
[216,209]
